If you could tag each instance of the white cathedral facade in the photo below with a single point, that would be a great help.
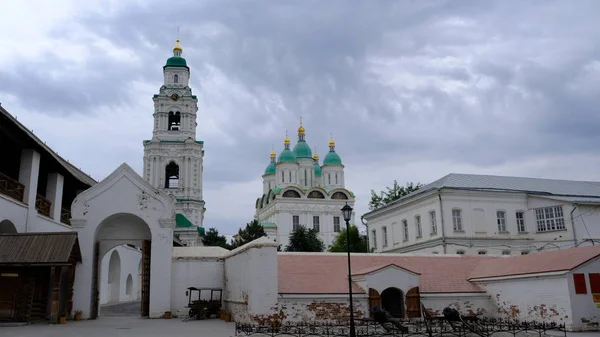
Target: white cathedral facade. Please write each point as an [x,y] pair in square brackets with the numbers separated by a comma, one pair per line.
[173,158]
[298,191]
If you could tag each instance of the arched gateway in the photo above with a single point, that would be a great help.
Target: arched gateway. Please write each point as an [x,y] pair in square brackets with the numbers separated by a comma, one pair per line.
[124,209]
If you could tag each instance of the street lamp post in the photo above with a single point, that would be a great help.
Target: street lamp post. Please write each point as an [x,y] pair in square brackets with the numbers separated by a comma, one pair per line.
[347,213]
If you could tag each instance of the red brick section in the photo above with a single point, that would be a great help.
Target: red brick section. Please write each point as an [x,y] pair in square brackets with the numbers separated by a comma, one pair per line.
[559,260]
[305,273]
[327,273]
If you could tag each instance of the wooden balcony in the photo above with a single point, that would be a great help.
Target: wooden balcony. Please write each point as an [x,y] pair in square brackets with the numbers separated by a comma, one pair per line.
[65,216]
[43,205]
[11,187]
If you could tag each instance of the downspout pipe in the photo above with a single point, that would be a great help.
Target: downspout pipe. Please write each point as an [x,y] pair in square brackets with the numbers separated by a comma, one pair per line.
[442,220]
[573,223]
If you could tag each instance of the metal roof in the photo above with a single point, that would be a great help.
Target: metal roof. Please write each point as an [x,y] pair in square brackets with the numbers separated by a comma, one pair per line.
[39,248]
[77,173]
[536,186]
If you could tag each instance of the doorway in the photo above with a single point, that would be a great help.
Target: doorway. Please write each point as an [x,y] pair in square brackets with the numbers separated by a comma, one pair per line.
[392,300]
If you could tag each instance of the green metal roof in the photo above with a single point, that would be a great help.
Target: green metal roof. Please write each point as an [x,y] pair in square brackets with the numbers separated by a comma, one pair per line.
[286,156]
[318,170]
[302,150]
[201,231]
[332,158]
[182,221]
[176,61]
[270,169]
[268,224]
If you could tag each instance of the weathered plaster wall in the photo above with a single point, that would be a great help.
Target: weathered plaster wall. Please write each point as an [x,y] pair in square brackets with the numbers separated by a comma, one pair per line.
[465,303]
[251,279]
[199,273]
[533,299]
[586,315]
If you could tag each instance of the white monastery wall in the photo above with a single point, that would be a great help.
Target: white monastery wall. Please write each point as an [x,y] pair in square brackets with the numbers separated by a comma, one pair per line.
[194,272]
[585,312]
[129,263]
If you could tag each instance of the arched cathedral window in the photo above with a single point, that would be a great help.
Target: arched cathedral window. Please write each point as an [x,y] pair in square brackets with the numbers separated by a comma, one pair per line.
[175,79]
[172,175]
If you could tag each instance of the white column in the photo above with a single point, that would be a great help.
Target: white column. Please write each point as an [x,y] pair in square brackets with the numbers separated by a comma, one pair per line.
[54,193]
[28,175]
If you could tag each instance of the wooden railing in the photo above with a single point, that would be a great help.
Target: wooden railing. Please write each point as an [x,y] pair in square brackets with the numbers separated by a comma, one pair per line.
[43,205]
[11,187]
[65,216]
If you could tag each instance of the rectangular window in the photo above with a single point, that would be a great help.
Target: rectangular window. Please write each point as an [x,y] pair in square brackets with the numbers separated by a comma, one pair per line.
[336,224]
[501,220]
[457,219]
[295,222]
[594,283]
[579,282]
[549,219]
[316,224]
[384,233]
[433,222]
[521,222]
[405,229]
[418,225]
[374,236]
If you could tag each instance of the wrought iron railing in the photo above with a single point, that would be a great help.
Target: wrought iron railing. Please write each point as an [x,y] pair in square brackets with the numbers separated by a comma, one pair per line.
[482,327]
[65,216]
[11,188]
[43,205]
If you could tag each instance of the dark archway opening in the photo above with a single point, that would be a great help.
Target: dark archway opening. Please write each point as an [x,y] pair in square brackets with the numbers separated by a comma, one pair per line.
[392,300]
[174,121]
[172,175]
[7,227]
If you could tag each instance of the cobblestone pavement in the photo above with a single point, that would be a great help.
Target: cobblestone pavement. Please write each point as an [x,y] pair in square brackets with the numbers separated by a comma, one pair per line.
[124,326]
[121,309]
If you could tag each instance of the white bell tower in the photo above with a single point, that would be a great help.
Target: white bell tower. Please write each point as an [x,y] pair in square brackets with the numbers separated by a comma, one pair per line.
[173,158]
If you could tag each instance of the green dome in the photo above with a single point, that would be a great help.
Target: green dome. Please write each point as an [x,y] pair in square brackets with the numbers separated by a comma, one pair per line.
[317,169]
[286,156]
[176,61]
[332,158]
[270,168]
[302,150]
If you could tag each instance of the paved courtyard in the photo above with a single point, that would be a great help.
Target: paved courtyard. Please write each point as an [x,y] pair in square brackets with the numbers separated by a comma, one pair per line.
[126,326]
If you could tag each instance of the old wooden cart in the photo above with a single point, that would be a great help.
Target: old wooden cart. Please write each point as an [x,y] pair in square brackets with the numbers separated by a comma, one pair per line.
[201,308]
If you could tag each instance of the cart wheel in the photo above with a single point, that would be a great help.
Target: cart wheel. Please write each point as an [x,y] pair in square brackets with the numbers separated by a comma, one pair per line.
[192,313]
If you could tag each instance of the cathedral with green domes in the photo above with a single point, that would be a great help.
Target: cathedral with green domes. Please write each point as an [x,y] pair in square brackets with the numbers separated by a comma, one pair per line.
[299,191]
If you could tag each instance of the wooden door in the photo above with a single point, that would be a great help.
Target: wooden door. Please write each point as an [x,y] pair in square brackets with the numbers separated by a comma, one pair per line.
[9,283]
[95,278]
[374,298]
[413,303]
[146,258]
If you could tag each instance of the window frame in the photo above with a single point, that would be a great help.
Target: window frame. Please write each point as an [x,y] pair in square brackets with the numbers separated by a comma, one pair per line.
[457,227]
[433,222]
[317,224]
[295,225]
[374,237]
[338,228]
[384,236]
[405,234]
[550,224]
[501,221]
[418,226]
[520,226]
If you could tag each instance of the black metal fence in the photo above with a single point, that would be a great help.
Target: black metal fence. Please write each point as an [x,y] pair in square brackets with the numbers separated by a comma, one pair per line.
[482,327]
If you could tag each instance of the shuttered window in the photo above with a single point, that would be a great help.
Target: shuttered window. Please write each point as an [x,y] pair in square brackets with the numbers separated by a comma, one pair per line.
[579,281]
[594,283]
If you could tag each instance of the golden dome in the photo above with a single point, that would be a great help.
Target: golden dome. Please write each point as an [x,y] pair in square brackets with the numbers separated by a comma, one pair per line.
[286,141]
[331,142]
[177,46]
[273,154]
[301,128]
[315,156]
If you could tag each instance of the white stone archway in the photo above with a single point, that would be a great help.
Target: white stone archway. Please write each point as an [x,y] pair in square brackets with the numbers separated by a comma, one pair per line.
[123,209]
[114,277]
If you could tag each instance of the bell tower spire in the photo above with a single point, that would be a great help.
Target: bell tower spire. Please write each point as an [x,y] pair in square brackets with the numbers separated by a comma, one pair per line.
[173,158]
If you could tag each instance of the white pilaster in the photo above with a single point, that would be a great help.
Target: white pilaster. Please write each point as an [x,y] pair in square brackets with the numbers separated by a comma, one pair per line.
[28,175]
[54,193]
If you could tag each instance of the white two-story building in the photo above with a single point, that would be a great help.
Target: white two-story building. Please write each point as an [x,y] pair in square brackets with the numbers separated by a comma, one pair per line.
[479,215]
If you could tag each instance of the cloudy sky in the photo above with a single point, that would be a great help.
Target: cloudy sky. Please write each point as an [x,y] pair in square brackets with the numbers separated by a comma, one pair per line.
[410,90]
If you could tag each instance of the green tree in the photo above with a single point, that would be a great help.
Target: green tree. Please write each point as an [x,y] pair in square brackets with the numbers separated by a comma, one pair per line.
[394,193]
[212,238]
[358,242]
[253,231]
[305,240]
